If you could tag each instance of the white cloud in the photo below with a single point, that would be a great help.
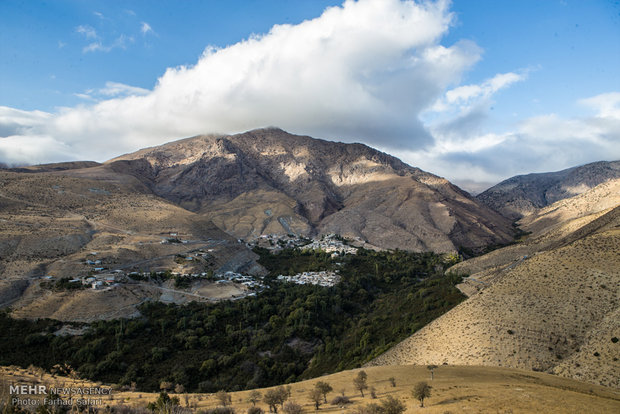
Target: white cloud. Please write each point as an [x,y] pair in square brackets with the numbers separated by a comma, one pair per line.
[120,89]
[606,104]
[86,30]
[84,96]
[92,47]
[463,96]
[18,122]
[146,28]
[538,144]
[360,72]
[120,42]
[112,90]
[371,71]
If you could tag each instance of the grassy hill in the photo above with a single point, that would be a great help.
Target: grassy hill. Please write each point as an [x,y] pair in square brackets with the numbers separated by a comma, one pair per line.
[455,389]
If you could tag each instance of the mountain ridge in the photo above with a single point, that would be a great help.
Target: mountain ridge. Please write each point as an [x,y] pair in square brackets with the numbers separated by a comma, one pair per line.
[268,180]
[518,196]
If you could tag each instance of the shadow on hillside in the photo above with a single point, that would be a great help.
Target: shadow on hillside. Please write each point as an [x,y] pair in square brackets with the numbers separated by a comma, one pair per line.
[457,399]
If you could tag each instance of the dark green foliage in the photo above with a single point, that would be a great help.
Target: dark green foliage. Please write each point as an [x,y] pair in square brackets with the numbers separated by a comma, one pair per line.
[340,400]
[392,405]
[219,410]
[183,282]
[163,403]
[286,333]
[62,284]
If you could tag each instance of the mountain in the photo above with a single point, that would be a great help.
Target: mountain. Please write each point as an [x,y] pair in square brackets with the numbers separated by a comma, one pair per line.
[209,191]
[521,195]
[548,303]
[269,181]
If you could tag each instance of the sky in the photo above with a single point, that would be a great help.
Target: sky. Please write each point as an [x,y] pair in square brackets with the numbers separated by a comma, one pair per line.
[474,91]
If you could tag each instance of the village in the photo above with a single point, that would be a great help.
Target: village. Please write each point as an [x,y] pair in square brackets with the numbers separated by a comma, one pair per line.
[329,243]
[323,278]
[100,277]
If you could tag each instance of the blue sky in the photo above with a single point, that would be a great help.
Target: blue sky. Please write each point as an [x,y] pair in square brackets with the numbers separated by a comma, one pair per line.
[453,88]
[44,64]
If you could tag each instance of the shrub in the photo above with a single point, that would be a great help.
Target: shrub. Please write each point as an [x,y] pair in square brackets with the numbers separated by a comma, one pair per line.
[218,410]
[341,400]
[256,410]
[291,408]
[373,393]
[371,408]
[392,405]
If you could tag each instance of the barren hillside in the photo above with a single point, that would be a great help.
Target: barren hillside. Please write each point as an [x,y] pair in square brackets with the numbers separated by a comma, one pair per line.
[519,196]
[549,304]
[53,224]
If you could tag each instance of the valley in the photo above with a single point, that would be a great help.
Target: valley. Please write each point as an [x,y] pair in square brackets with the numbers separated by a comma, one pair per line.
[265,258]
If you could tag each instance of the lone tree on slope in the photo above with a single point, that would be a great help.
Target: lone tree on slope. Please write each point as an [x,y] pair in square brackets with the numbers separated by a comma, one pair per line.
[360,382]
[324,388]
[421,391]
[255,397]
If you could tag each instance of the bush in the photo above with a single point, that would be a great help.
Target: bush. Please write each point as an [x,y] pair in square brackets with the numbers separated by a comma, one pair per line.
[218,410]
[341,400]
[371,408]
[373,393]
[392,405]
[256,410]
[291,408]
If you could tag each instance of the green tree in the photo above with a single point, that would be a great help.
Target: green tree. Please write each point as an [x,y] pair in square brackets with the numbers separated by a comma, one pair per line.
[359,382]
[274,397]
[316,397]
[254,397]
[223,397]
[421,391]
[392,405]
[324,389]
[164,404]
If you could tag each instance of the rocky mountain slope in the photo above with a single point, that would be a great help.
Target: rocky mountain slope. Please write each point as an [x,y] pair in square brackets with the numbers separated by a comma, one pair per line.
[269,181]
[550,303]
[519,196]
[52,224]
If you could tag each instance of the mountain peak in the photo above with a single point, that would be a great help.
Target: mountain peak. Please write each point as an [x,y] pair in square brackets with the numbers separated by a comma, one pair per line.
[310,186]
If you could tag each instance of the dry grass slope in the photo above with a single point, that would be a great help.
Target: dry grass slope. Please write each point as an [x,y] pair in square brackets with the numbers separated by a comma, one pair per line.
[455,389]
[555,310]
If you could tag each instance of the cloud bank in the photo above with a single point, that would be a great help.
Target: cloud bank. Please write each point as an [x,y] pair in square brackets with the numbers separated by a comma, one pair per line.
[372,71]
[359,72]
